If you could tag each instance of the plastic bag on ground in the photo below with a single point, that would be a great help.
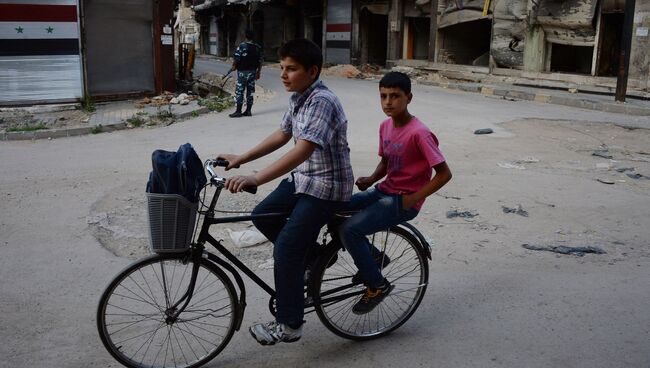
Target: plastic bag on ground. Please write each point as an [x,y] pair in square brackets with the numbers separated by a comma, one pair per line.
[246,238]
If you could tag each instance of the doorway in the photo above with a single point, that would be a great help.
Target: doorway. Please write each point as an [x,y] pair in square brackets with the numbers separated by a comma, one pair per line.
[417,45]
[609,45]
[373,37]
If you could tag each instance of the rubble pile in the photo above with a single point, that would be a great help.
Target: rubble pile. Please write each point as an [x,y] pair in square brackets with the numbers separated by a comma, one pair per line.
[343,70]
[166,98]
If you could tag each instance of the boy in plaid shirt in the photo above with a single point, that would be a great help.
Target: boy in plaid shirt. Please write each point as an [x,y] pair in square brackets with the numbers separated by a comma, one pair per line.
[320,183]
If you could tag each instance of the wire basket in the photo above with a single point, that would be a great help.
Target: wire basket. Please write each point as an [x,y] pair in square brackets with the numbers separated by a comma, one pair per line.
[171,222]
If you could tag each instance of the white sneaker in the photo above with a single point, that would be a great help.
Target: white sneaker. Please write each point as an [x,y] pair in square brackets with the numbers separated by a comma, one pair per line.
[272,332]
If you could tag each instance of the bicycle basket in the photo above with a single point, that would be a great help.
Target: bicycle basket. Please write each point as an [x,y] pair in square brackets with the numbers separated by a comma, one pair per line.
[171,222]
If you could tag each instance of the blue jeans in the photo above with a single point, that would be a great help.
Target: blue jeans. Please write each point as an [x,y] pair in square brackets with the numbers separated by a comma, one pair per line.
[292,238]
[379,211]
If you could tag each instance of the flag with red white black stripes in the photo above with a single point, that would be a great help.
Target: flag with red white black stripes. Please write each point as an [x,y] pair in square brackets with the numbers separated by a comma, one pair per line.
[38,28]
[39,51]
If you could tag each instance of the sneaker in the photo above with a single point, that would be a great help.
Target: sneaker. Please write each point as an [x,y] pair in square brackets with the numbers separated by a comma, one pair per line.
[382,260]
[372,298]
[272,332]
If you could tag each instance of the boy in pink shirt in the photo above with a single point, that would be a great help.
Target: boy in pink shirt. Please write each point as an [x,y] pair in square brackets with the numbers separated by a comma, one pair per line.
[409,155]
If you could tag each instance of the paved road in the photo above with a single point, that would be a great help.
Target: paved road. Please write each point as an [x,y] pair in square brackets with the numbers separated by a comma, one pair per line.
[488,305]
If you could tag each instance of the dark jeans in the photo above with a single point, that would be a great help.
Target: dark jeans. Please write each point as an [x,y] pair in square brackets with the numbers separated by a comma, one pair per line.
[292,238]
[379,211]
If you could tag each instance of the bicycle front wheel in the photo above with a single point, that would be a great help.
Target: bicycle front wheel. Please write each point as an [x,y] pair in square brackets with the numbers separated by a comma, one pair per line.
[336,292]
[133,313]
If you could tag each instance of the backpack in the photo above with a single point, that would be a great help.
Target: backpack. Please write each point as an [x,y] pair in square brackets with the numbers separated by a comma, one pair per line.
[178,172]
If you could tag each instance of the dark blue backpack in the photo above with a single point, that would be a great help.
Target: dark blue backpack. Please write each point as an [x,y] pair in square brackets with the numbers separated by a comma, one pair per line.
[178,172]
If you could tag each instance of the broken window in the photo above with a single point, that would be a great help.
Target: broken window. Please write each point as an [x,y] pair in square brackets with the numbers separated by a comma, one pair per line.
[466,43]
[571,59]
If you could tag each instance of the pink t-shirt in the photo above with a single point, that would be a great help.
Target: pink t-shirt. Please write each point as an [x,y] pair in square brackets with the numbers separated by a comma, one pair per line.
[411,151]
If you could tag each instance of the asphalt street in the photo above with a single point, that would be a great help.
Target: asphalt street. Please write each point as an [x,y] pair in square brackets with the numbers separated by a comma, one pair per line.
[490,302]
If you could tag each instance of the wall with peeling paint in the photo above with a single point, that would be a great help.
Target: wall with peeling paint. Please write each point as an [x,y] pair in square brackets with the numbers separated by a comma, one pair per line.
[640,53]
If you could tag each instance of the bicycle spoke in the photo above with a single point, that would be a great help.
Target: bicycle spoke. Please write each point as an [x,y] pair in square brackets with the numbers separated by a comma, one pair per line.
[136,328]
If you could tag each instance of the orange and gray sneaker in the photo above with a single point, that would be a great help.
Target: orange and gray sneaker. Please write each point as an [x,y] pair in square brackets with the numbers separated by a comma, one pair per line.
[372,298]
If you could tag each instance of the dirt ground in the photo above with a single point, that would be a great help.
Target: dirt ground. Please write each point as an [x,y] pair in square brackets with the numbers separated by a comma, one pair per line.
[559,149]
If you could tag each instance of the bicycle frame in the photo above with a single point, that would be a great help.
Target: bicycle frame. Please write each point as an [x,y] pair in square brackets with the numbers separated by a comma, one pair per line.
[198,250]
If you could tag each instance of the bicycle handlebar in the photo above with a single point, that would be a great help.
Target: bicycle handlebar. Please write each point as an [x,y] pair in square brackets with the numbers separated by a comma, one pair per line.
[209,164]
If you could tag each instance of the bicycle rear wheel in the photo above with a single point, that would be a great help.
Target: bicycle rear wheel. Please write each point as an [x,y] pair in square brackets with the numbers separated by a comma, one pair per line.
[336,293]
[133,314]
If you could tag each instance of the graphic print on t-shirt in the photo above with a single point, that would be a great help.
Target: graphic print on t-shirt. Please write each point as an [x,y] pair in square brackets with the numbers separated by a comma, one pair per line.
[394,152]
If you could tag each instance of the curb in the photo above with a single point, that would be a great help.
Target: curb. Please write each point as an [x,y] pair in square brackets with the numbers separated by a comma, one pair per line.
[77,131]
[487,90]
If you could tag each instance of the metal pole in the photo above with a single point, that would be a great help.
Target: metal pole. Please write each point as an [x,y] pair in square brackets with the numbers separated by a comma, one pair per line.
[626,46]
[433,31]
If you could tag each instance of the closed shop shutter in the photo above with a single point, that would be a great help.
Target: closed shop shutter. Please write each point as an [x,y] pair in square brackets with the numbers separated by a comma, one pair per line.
[119,46]
[39,51]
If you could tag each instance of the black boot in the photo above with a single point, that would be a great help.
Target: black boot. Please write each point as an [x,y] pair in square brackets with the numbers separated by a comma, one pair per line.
[237,112]
[248,110]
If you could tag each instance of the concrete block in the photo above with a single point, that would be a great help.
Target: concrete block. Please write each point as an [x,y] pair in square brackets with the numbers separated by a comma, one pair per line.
[487,91]
[50,133]
[20,136]
[71,132]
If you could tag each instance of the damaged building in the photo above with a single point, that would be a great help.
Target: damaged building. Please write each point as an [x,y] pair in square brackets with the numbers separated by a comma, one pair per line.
[273,22]
[544,39]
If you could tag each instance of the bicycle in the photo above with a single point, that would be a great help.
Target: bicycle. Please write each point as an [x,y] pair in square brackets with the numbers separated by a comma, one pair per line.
[181,309]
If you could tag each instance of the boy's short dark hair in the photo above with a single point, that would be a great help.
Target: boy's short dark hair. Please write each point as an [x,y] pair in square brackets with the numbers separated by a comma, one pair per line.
[396,80]
[248,33]
[304,51]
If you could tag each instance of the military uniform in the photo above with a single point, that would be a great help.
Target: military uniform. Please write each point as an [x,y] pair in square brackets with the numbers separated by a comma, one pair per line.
[248,57]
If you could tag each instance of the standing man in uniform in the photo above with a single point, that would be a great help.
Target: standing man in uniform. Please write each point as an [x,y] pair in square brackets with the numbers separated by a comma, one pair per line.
[248,63]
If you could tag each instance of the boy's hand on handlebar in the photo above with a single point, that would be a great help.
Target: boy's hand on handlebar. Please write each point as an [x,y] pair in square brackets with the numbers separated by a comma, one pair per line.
[237,183]
[233,160]
[364,182]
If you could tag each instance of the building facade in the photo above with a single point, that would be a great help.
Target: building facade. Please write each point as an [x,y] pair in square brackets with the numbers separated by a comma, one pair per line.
[68,50]
[533,38]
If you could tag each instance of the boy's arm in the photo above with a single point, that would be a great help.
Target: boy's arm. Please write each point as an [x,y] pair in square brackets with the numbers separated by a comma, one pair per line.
[442,176]
[297,155]
[365,182]
[271,143]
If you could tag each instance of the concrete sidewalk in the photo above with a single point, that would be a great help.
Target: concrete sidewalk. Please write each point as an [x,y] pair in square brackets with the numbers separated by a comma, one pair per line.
[581,100]
[107,117]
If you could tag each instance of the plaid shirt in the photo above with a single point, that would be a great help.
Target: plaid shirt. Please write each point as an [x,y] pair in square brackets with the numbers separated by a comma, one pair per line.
[316,116]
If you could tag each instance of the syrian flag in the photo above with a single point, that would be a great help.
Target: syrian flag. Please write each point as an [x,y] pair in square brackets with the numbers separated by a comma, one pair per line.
[39,52]
[38,27]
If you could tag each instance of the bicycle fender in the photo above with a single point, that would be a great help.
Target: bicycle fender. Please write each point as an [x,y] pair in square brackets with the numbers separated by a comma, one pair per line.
[240,284]
[426,247]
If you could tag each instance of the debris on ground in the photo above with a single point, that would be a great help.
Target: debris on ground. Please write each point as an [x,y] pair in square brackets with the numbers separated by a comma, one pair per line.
[605,181]
[484,131]
[220,85]
[638,176]
[461,214]
[343,70]
[561,249]
[26,120]
[602,153]
[370,69]
[624,169]
[246,238]
[507,165]
[527,160]
[516,210]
